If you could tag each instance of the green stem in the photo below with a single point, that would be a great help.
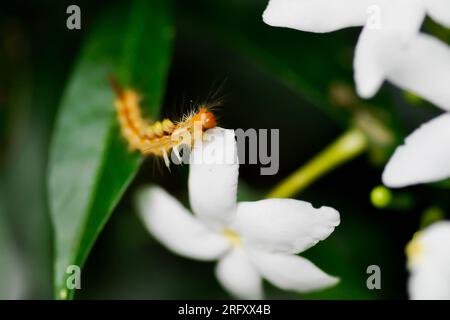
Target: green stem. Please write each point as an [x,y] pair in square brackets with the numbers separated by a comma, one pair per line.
[348,146]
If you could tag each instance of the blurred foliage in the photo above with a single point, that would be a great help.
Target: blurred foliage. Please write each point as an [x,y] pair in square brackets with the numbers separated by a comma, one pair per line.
[430,216]
[298,82]
[381,197]
[90,166]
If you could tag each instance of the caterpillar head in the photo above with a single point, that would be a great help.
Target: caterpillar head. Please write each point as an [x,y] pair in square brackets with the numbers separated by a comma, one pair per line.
[206,117]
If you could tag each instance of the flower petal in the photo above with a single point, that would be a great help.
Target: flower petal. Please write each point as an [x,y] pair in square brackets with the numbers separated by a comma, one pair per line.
[429,282]
[213,177]
[424,69]
[172,225]
[291,272]
[284,225]
[405,16]
[239,276]
[422,66]
[439,10]
[369,73]
[429,263]
[392,26]
[431,246]
[316,15]
[425,156]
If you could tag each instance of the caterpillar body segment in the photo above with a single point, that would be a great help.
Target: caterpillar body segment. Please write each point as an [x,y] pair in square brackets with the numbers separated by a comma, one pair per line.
[159,138]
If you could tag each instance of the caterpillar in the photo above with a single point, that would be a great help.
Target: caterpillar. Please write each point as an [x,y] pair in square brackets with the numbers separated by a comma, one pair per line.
[159,138]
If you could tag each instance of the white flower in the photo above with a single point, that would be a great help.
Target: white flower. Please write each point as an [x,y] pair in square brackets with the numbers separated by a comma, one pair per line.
[429,263]
[425,156]
[385,49]
[251,240]
[390,47]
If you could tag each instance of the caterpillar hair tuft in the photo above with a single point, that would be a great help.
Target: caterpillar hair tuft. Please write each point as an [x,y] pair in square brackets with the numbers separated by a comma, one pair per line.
[159,138]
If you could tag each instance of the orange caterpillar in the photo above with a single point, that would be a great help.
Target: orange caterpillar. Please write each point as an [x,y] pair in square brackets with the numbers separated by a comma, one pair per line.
[161,137]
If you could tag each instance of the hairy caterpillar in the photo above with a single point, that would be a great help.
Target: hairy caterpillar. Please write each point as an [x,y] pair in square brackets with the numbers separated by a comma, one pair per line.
[159,138]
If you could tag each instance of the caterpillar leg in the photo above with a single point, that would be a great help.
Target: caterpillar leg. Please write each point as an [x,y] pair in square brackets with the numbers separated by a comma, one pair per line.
[177,153]
[166,158]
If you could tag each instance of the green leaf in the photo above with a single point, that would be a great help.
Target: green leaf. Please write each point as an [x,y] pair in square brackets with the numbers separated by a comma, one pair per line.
[90,165]
[11,270]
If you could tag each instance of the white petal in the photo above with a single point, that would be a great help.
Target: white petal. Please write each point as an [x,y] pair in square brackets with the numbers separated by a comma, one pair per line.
[317,15]
[284,225]
[425,156]
[290,272]
[429,283]
[435,241]
[213,177]
[424,69]
[430,272]
[239,276]
[389,33]
[438,236]
[439,10]
[422,66]
[176,228]
[331,15]
[401,17]
[369,72]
